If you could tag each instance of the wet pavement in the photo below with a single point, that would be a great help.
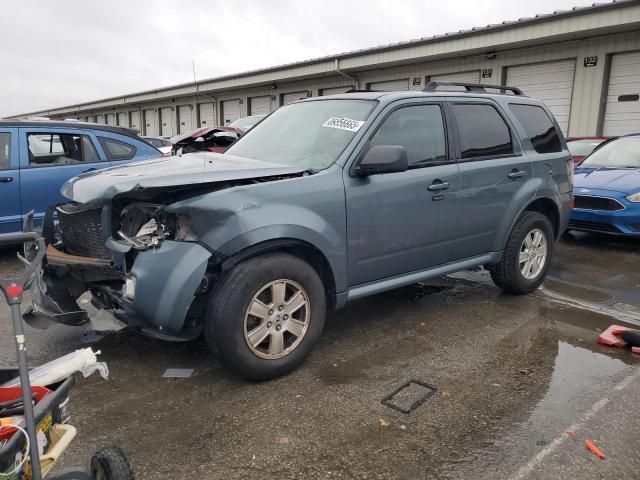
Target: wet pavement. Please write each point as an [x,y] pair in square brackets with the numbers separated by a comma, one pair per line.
[521,383]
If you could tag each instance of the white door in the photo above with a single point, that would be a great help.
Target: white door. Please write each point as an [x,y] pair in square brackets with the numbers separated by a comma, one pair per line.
[184,117]
[207,119]
[466,77]
[335,90]
[123,119]
[551,82]
[293,97]
[166,122]
[390,85]
[260,105]
[100,119]
[135,119]
[230,111]
[150,122]
[622,114]
[110,119]
[88,119]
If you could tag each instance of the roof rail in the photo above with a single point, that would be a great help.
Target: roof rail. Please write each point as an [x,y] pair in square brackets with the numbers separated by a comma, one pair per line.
[472,87]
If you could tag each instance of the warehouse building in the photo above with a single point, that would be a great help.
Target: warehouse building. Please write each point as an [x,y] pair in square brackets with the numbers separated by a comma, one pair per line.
[584,63]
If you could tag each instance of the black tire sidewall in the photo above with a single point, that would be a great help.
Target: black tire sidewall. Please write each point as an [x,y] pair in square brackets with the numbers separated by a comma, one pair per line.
[526,224]
[231,300]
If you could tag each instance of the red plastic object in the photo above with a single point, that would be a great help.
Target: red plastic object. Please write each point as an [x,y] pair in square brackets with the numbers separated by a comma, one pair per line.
[635,350]
[14,290]
[14,393]
[610,336]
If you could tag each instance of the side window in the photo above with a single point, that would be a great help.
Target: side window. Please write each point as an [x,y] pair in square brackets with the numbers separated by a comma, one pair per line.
[5,150]
[419,129]
[117,150]
[538,126]
[50,149]
[482,131]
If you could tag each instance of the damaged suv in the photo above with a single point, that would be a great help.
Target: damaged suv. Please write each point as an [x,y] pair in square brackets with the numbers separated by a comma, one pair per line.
[325,201]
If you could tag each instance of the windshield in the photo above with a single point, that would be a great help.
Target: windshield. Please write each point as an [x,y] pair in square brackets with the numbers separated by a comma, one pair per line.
[309,135]
[582,148]
[247,122]
[623,152]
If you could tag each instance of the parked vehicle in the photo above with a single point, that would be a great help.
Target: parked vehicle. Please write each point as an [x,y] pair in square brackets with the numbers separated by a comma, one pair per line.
[325,201]
[209,139]
[580,147]
[607,189]
[162,144]
[37,157]
[247,123]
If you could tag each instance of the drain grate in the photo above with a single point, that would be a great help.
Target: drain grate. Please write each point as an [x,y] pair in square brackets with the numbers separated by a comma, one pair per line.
[409,396]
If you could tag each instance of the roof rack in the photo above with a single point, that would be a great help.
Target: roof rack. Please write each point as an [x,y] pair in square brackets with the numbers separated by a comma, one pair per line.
[472,87]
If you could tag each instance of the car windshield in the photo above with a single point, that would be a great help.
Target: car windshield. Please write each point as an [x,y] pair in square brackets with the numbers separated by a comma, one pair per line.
[582,148]
[309,135]
[623,152]
[247,122]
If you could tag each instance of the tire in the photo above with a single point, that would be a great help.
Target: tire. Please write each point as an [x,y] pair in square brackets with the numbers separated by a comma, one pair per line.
[507,274]
[233,332]
[110,464]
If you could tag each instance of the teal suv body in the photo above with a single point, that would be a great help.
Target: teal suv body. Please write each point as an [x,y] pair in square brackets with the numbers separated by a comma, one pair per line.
[325,201]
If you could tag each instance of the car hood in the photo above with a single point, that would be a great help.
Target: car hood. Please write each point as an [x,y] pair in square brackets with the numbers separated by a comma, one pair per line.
[190,169]
[624,180]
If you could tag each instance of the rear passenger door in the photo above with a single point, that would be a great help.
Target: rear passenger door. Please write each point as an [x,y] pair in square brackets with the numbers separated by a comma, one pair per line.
[493,170]
[10,218]
[51,157]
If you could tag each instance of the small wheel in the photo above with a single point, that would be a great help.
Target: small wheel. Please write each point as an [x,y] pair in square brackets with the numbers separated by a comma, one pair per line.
[527,255]
[266,316]
[110,464]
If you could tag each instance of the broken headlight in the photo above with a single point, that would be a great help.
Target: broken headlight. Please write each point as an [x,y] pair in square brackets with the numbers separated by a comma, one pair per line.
[145,225]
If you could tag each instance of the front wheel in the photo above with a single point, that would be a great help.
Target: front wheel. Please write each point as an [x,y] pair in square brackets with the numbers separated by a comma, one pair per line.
[527,255]
[266,316]
[110,464]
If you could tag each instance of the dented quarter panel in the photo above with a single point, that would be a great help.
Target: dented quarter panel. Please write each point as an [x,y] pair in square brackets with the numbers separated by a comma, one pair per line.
[310,209]
[167,278]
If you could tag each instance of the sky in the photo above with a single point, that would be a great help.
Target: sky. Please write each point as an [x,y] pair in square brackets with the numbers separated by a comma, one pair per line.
[62,52]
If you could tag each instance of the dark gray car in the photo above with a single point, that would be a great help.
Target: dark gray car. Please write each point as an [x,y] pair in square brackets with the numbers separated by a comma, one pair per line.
[326,200]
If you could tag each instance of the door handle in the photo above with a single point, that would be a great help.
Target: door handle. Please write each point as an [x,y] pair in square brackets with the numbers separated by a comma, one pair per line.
[517,174]
[438,185]
[6,179]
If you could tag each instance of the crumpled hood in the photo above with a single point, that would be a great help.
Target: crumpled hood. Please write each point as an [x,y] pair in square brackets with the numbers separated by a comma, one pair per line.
[190,169]
[624,180]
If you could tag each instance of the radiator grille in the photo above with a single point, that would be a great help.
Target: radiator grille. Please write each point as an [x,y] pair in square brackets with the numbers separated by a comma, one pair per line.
[593,226]
[82,230]
[596,203]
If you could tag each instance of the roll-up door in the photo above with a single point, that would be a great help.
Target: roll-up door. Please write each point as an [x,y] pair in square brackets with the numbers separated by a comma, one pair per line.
[230,111]
[150,122]
[207,118]
[622,113]
[551,82]
[123,119]
[135,119]
[335,90]
[260,105]
[390,85]
[166,122]
[184,118]
[110,119]
[288,98]
[100,119]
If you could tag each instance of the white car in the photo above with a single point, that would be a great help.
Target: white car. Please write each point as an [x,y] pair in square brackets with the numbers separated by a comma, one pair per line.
[161,144]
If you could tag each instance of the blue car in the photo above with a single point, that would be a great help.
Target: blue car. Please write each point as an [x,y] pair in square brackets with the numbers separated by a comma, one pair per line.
[607,189]
[37,157]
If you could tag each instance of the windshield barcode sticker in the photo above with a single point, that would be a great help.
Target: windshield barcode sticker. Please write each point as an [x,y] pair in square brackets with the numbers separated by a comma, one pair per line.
[343,124]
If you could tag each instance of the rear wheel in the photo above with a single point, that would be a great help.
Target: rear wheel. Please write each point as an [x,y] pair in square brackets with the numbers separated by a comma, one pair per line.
[110,464]
[527,255]
[266,316]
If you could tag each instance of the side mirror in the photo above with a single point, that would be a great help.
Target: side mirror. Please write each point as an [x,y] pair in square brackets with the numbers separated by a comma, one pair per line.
[383,159]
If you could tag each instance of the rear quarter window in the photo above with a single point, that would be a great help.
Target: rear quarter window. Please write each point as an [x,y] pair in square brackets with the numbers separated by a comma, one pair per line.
[538,126]
[117,150]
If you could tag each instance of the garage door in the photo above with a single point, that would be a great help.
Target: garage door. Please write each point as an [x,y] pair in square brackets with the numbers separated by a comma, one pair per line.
[123,119]
[551,82]
[288,98]
[100,119]
[135,119]
[260,105]
[150,122]
[467,77]
[206,115]
[390,85]
[166,122]
[622,113]
[335,90]
[184,117]
[88,119]
[110,119]
[230,111]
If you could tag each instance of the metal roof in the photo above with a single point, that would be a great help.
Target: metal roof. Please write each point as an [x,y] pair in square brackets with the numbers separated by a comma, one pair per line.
[381,48]
[129,132]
